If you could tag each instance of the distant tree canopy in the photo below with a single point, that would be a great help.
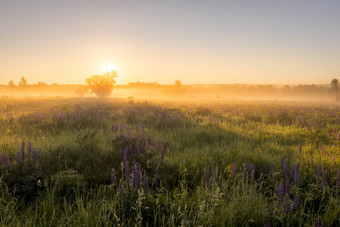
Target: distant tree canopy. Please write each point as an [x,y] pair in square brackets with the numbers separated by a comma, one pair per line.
[23,82]
[11,83]
[335,88]
[102,85]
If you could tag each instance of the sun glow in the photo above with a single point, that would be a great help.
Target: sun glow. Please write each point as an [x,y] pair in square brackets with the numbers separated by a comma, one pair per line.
[109,68]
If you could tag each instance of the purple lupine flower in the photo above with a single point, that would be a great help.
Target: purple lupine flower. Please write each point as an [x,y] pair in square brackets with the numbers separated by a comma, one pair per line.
[137,175]
[126,167]
[19,157]
[282,163]
[1,162]
[234,169]
[338,179]
[296,203]
[163,150]
[207,178]
[335,165]
[213,179]
[271,172]
[35,155]
[22,150]
[319,171]
[280,193]
[287,187]
[300,149]
[121,189]
[324,177]
[252,171]
[8,163]
[137,148]
[113,177]
[128,130]
[155,185]
[287,205]
[318,222]
[267,222]
[285,169]
[245,171]
[293,170]
[145,184]
[29,150]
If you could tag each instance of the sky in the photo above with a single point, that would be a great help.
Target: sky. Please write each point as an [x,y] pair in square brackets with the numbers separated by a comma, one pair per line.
[195,41]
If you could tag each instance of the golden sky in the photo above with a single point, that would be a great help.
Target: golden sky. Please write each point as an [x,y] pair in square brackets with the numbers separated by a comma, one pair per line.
[194,41]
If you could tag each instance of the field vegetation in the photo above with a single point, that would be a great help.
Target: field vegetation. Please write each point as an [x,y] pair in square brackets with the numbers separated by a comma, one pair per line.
[116,162]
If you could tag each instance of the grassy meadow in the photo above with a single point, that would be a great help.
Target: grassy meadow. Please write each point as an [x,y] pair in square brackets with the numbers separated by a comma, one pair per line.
[116,162]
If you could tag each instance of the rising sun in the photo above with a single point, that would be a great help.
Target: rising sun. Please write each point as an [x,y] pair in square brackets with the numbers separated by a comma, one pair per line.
[109,68]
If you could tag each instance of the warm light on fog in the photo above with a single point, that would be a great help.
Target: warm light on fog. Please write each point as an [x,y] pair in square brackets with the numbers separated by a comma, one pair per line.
[108,68]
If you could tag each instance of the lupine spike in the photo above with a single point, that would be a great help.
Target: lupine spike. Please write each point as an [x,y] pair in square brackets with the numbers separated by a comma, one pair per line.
[280,193]
[22,150]
[285,169]
[121,189]
[287,187]
[19,157]
[213,180]
[207,178]
[35,155]
[145,184]
[287,205]
[164,150]
[267,222]
[324,177]
[318,173]
[252,171]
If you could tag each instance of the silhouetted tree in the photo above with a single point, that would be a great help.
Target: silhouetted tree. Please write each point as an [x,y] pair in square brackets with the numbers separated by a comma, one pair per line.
[11,84]
[23,82]
[102,85]
[335,88]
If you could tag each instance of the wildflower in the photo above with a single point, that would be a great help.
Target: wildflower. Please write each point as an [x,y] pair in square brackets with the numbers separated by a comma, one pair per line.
[137,148]
[296,203]
[121,189]
[113,177]
[142,133]
[19,157]
[137,174]
[287,187]
[145,184]
[234,169]
[22,150]
[282,163]
[8,163]
[280,193]
[287,205]
[35,155]
[252,171]
[163,150]
[267,222]
[126,168]
[155,185]
[213,179]
[207,178]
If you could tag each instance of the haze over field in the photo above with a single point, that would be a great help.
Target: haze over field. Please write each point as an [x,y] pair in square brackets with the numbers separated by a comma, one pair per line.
[198,42]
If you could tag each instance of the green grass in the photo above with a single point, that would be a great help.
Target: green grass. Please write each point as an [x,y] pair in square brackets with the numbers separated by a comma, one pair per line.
[78,148]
